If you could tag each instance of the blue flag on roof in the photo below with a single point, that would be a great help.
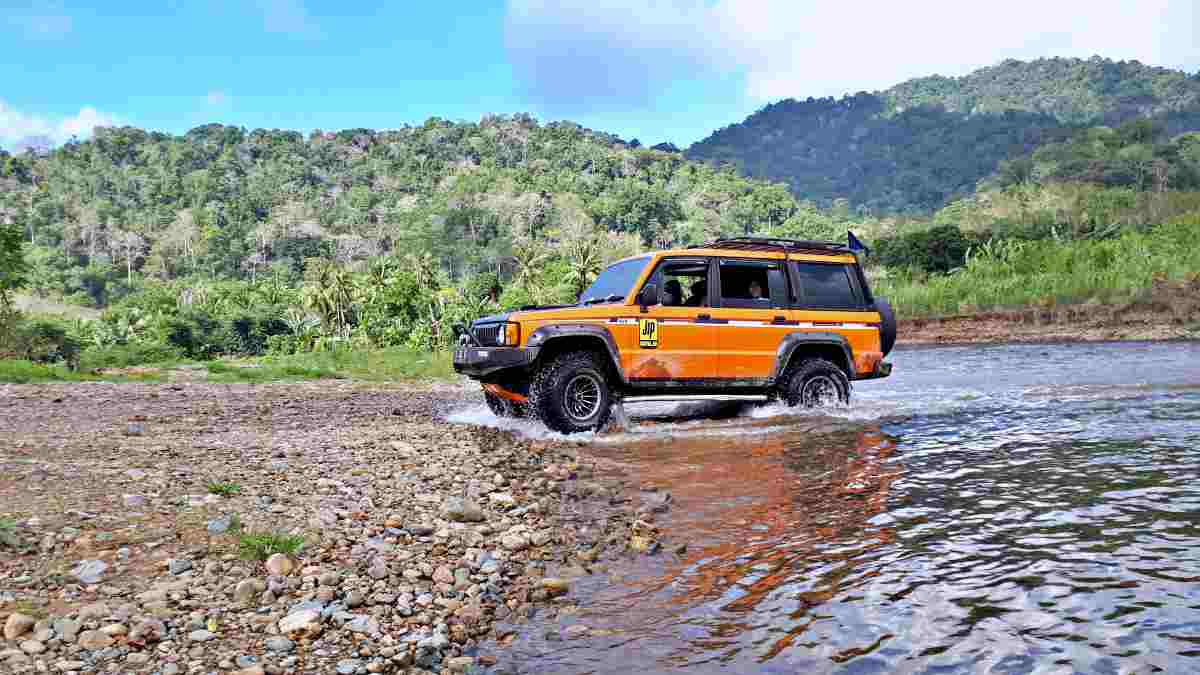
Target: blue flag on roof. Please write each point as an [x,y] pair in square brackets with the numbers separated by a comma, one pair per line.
[855,244]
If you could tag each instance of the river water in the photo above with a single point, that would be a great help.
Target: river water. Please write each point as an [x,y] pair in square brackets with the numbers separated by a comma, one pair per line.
[1001,509]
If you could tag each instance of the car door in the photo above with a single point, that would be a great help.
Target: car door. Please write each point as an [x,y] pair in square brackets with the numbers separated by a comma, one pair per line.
[750,328]
[677,341]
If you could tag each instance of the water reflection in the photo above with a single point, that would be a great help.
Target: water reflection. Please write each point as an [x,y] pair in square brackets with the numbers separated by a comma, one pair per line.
[990,523]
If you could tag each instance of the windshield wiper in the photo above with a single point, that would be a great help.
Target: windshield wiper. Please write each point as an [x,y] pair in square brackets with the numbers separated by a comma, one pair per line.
[608,298]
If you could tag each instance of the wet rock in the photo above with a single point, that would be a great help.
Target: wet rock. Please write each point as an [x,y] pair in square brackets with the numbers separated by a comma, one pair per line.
[280,565]
[89,571]
[94,640]
[17,625]
[461,510]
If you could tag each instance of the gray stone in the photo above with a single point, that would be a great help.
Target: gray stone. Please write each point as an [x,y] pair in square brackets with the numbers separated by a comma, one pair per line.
[461,510]
[150,630]
[378,571]
[247,661]
[134,501]
[138,658]
[348,666]
[89,571]
[280,644]
[179,565]
[201,636]
[171,669]
[514,542]
[135,429]
[66,630]
[220,525]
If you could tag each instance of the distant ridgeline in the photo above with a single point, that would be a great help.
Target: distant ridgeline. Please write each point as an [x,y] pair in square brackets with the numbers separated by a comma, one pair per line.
[923,143]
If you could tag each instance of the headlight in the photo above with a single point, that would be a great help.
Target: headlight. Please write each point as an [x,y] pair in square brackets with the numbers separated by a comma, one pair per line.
[511,335]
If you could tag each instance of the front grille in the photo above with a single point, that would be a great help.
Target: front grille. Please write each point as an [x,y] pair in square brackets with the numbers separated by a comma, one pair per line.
[488,335]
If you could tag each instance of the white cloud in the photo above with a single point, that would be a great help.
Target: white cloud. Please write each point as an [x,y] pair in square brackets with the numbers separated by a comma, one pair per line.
[16,126]
[217,97]
[630,50]
[289,17]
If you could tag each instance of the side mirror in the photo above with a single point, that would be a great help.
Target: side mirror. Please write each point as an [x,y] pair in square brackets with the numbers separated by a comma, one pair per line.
[648,296]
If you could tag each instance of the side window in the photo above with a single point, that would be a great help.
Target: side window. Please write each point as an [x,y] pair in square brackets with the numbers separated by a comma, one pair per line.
[826,286]
[683,283]
[753,284]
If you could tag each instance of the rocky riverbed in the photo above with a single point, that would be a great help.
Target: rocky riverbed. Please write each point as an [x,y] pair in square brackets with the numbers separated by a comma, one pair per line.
[317,528]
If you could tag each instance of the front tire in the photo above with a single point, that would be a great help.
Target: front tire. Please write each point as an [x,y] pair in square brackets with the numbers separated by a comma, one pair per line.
[816,383]
[571,394]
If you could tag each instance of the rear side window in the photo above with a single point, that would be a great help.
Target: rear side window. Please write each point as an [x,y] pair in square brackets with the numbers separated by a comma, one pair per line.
[826,286]
[753,284]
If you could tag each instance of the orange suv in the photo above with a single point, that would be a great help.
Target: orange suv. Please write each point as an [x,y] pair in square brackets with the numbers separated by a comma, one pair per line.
[744,319]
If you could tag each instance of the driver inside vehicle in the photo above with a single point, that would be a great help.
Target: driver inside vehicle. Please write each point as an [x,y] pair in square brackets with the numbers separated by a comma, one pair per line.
[672,293]
[755,290]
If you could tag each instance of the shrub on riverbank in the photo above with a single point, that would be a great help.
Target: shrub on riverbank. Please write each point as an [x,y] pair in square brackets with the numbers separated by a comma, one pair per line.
[1010,274]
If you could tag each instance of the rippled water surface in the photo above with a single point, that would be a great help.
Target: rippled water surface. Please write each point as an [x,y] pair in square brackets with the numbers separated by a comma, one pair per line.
[1002,509]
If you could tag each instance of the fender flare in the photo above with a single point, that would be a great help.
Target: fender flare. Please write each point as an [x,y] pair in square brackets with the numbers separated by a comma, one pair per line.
[793,341]
[547,334]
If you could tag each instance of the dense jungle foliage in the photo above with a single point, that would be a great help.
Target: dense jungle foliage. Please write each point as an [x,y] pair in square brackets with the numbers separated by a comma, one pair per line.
[926,142]
[225,241]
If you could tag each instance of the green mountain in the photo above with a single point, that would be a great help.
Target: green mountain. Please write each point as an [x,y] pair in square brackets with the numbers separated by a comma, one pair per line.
[917,146]
[225,202]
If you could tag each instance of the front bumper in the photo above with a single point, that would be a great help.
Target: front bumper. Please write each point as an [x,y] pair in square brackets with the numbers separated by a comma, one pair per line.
[480,362]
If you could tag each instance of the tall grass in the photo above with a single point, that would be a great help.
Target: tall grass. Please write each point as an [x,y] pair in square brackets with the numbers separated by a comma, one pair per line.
[1013,274]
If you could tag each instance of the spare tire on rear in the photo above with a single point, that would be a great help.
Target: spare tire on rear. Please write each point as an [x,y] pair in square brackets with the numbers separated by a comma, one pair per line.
[887,325]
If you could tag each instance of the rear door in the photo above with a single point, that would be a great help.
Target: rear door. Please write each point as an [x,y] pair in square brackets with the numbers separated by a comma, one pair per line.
[677,341]
[752,307]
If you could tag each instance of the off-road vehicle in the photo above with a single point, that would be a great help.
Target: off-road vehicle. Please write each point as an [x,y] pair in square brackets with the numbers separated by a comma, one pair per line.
[744,319]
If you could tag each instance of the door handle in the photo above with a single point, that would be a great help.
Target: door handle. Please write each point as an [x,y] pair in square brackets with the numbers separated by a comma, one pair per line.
[703,317]
[779,318]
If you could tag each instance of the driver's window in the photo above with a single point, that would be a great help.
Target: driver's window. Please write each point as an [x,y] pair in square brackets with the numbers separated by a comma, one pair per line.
[684,284]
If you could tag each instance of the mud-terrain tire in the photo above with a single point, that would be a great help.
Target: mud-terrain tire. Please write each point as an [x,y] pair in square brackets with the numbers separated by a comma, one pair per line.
[571,393]
[502,407]
[815,383]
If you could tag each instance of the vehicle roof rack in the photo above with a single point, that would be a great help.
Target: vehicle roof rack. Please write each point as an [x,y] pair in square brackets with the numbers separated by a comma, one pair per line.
[775,244]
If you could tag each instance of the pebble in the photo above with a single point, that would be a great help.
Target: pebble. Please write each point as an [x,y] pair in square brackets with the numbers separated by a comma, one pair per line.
[32,647]
[94,640]
[201,636]
[461,510]
[247,590]
[280,565]
[348,666]
[280,644]
[303,621]
[220,525]
[179,565]
[17,625]
[134,501]
[89,571]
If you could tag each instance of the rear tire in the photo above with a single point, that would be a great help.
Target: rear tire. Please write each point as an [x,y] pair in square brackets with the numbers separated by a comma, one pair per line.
[816,383]
[571,394]
[502,407]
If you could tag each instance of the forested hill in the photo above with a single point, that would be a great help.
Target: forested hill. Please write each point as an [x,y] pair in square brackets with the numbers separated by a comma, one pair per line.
[222,201]
[922,143]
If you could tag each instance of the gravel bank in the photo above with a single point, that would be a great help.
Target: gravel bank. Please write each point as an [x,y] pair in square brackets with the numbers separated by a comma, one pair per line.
[153,528]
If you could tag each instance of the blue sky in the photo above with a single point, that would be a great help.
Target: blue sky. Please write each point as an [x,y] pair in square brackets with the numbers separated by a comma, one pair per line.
[669,70]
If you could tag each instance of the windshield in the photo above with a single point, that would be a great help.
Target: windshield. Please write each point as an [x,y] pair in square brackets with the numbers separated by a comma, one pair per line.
[617,280]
